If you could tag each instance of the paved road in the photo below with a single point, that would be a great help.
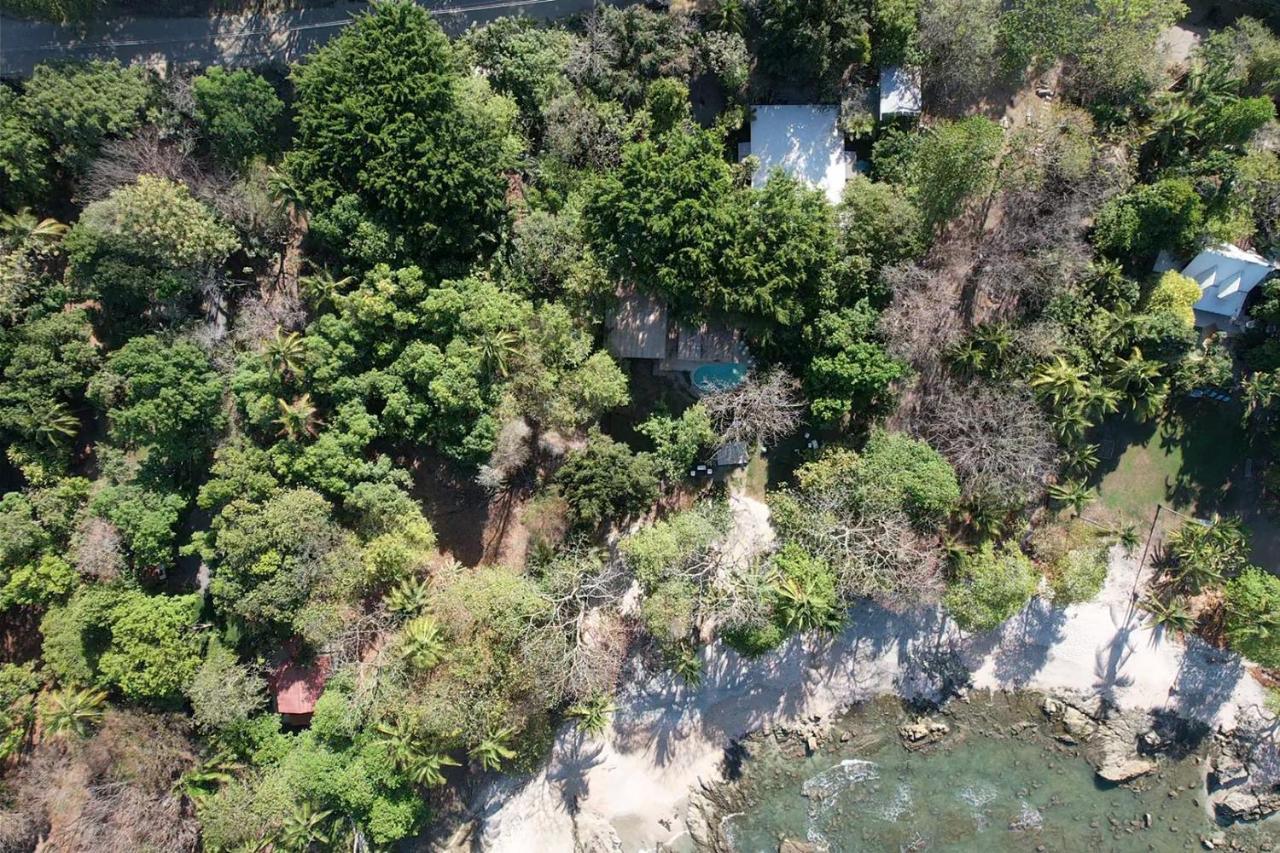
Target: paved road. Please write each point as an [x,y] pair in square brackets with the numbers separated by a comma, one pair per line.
[248,39]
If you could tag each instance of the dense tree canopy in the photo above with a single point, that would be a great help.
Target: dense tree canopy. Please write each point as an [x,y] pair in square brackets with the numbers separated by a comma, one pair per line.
[400,153]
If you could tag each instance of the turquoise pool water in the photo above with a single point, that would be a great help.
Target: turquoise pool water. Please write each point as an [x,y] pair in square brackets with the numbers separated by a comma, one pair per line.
[717,377]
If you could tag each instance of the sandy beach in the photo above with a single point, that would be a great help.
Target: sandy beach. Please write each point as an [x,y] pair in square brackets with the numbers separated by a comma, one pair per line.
[627,788]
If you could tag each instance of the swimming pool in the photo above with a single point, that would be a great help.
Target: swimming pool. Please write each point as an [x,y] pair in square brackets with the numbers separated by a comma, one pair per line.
[708,378]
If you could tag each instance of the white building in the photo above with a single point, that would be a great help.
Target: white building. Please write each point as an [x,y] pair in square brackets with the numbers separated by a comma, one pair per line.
[1226,274]
[805,141]
[899,92]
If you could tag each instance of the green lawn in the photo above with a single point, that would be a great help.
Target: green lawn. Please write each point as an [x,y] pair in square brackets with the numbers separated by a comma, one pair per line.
[1194,462]
[1189,462]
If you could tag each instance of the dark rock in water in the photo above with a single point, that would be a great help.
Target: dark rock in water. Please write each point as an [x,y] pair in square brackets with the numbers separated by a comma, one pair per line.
[922,733]
[791,845]
[1119,768]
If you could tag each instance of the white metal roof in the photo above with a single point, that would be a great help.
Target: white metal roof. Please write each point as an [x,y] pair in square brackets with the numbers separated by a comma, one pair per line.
[803,141]
[899,91]
[1226,274]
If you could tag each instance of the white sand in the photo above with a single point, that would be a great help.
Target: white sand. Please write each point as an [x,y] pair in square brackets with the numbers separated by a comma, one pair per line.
[667,737]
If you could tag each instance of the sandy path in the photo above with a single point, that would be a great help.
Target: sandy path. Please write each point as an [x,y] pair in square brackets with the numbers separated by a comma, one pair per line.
[666,737]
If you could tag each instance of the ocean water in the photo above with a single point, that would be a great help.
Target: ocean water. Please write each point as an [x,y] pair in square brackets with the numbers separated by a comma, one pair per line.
[994,784]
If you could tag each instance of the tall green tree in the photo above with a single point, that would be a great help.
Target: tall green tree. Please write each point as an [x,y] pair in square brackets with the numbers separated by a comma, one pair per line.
[400,154]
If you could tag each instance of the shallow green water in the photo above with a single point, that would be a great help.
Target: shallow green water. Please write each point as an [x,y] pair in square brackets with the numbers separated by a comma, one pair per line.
[988,787]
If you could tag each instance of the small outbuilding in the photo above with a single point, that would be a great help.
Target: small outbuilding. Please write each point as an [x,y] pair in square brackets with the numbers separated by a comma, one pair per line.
[900,92]
[805,141]
[297,686]
[1227,275]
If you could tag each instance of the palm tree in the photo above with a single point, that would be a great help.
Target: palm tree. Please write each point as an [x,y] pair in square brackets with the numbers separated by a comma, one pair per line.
[1073,493]
[1260,391]
[400,742]
[1172,615]
[1081,457]
[1102,400]
[52,422]
[321,286]
[427,768]
[1207,554]
[995,338]
[1127,537]
[284,352]
[303,828]
[1138,378]
[728,15]
[968,356]
[409,597]
[422,644]
[1070,423]
[297,418]
[496,349]
[804,608]
[684,662]
[71,712]
[205,778]
[492,749]
[286,194]
[593,714]
[24,226]
[1059,382]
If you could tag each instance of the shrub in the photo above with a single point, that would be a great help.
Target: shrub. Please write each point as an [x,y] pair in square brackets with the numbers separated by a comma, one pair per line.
[990,586]
[604,481]
[1078,575]
[238,111]
[1175,294]
[1253,616]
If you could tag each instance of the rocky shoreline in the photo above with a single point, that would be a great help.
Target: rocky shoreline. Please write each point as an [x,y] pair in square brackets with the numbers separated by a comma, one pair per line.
[1238,768]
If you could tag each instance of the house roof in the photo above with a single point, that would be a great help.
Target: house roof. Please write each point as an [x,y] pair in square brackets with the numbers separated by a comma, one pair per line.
[1226,274]
[298,686]
[804,141]
[637,325]
[899,91]
[731,455]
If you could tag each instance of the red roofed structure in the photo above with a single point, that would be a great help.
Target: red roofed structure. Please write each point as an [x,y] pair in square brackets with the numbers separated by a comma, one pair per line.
[297,686]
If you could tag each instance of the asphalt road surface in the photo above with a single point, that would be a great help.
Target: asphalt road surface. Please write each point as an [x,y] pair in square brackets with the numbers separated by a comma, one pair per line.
[232,40]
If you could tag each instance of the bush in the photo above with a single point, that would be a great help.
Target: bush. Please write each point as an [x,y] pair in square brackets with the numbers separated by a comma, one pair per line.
[40,582]
[1253,616]
[658,551]
[225,693]
[605,482]
[1134,227]
[755,640]
[238,111]
[991,585]
[1175,294]
[1078,575]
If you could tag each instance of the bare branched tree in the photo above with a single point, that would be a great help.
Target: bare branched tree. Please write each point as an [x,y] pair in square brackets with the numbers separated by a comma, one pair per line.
[510,453]
[114,791]
[923,320]
[581,652]
[98,551]
[761,410]
[876,554]
[996,438]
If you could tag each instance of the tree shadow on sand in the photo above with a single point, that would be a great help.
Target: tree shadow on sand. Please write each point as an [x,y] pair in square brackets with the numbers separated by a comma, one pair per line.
[568,768]
[1207,677]
[1025,641]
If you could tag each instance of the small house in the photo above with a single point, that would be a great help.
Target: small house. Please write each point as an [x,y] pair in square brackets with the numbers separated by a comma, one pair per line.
[708,356]
[297,686]
[899,92]
[805,141]
[1227,275]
